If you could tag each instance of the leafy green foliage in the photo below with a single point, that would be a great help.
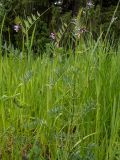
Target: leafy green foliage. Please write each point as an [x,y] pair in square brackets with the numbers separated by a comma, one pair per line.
[59,107]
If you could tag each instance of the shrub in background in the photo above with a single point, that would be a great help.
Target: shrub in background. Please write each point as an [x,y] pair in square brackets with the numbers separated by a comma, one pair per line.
[95,18]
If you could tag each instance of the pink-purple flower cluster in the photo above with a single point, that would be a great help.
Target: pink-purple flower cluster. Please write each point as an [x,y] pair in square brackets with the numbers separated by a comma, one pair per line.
[80,31]
[52,36]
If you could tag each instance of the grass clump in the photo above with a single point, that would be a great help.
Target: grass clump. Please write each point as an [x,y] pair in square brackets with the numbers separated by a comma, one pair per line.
[60,107]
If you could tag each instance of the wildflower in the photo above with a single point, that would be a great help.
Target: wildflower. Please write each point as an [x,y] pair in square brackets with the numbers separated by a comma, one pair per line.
[59,3]
[84,12]
[80,31]
[114,19]
[90,4]
[16,27]
[52,36]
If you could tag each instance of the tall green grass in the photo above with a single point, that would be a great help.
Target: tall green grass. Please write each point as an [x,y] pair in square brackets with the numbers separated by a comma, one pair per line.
[61,108]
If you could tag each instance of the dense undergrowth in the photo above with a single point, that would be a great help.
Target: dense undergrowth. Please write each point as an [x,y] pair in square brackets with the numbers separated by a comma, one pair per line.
[61,107]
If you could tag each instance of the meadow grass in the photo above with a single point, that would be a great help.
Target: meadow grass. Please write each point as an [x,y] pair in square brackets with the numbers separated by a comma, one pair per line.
[61,108]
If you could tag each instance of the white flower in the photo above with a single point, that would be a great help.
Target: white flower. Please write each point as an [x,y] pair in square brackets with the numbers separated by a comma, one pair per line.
[58,2]
[16,27]
[114,19]
[90,4]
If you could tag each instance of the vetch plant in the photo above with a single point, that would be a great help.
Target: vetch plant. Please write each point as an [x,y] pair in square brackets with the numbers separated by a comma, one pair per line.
[52,109]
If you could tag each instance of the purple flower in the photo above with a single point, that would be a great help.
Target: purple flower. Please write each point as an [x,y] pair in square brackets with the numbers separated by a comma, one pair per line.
[52,36]
[16,27]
